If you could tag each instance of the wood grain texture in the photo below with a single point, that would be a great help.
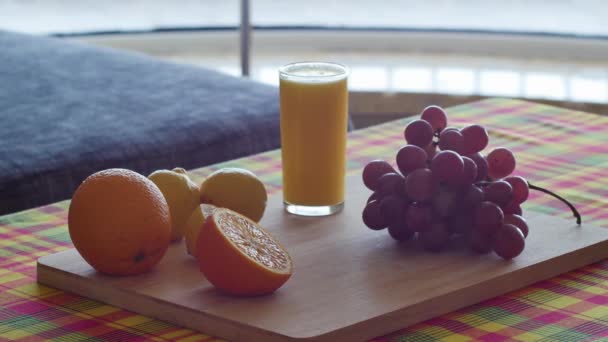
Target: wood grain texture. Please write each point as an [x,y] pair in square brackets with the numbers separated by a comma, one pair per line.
[349,283]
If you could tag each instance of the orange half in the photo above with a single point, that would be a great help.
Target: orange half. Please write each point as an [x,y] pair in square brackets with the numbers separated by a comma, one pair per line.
[239,257]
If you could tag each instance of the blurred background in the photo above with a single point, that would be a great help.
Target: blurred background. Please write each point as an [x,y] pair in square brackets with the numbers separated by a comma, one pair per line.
[403,54]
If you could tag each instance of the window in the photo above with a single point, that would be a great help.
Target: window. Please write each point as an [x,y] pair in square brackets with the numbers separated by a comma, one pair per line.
[553,50]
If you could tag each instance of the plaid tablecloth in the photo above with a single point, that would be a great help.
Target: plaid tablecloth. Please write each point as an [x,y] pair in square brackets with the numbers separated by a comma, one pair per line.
[559,149]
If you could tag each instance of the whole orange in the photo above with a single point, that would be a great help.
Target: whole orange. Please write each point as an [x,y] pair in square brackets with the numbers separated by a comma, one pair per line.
[119,222]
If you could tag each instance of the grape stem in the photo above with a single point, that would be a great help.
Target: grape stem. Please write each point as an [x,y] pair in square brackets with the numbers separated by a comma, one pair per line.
[574,211]
[436,135]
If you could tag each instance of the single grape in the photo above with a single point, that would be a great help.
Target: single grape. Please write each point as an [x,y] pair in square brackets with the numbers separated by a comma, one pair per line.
[501,163]
[420,185]
[520,188]
[393,208]
[445,203]
[512,208]
[400,232]
[461,223]
[436,238]
[475,139]
[470,198]
[518,222]
[509,242]
[488,218]
[431,150]
[451,140]
[410,158]
[448,167]
[435,116]
[419,133]
[469,174]
[372,217]
[479,242]
[374,197]
[419,216]
[482,166]
[390,183]
[499,192]
[373,171]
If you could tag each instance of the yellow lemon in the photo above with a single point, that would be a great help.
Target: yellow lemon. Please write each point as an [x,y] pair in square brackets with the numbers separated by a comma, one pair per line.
[194,224]
[181,194]
[236,189]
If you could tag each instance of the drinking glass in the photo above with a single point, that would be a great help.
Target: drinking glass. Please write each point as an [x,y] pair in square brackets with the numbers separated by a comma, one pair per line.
[314,116]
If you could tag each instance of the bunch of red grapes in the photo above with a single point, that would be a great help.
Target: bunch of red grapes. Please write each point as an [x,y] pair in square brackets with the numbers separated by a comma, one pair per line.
[447,187]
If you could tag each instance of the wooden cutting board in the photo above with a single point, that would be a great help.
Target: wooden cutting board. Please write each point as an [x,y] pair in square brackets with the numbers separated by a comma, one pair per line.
[349,283]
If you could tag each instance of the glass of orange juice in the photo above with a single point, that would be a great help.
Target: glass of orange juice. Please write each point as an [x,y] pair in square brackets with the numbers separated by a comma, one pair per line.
[314,116]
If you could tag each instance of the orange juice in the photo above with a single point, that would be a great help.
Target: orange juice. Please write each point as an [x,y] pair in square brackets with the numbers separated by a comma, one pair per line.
[314,106]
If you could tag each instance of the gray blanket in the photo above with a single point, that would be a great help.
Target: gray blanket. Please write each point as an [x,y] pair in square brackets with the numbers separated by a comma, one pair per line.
[69,109]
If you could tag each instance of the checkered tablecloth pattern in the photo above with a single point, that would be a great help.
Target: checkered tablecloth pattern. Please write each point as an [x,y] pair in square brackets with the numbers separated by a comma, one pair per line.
[559,149]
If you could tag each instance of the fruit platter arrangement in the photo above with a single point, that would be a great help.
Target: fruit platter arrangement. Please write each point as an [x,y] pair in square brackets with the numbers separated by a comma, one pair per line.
[122,223]
[224,258]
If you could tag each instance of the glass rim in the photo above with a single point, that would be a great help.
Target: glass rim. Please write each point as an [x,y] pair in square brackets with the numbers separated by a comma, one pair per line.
[342,71]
